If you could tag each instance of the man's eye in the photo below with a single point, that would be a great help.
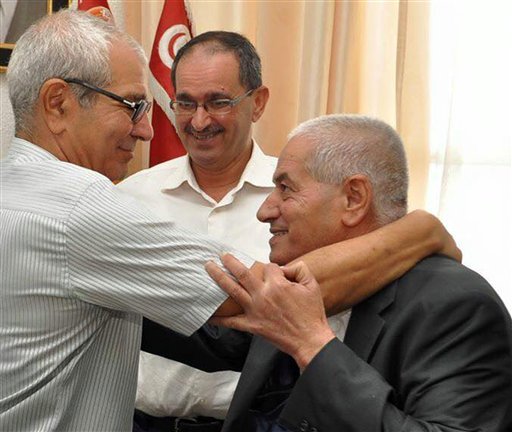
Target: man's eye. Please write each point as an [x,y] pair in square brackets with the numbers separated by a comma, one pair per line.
[219,103]
[283,188]
[186,105]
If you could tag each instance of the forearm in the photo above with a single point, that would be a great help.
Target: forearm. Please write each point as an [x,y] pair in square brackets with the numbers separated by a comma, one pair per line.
[355,269]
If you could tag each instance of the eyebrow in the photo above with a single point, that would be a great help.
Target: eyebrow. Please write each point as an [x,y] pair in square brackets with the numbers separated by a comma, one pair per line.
[135,96]
[281,177]
[209,96]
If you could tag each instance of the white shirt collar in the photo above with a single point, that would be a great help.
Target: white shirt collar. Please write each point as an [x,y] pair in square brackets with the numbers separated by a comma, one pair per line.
[253,173]
[339,323]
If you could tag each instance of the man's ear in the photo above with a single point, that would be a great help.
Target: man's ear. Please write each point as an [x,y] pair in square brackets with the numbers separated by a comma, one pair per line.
[261,96]
[57,104]
[358,194]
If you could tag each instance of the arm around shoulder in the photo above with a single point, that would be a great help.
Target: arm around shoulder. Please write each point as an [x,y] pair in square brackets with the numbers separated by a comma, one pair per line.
[353,270]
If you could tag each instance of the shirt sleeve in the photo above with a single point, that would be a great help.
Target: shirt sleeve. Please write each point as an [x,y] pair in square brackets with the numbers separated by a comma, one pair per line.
[169,388]
[120,256]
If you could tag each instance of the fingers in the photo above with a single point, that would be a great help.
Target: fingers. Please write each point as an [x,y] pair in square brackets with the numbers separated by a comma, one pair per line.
[239,271]
[251,281]
[298,272]
[228,284]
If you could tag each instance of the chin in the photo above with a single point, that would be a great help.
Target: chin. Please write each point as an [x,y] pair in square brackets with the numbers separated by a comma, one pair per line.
[278,259]
[116,175]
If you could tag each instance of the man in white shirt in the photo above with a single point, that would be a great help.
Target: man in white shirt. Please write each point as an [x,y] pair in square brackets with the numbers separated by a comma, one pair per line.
[217,189]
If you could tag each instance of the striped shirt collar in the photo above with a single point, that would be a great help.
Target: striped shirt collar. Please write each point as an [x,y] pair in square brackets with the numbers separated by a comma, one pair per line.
[24,150]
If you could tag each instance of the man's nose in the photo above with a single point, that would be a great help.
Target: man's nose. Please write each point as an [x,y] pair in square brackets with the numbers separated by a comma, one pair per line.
[200,119]
[269,210]
[143,130]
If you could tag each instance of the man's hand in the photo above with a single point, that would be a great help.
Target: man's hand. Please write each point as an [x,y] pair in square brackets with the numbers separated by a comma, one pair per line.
[285,306]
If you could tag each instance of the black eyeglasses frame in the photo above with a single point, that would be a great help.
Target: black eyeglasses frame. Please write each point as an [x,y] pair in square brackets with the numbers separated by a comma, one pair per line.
[139,108]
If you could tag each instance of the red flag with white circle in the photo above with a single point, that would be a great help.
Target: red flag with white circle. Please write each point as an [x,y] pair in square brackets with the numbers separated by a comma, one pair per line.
[174,30]
[99,8]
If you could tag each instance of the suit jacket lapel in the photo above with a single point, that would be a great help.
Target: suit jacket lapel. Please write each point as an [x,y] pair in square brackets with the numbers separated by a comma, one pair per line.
[364,328]
[258,366]
[366,322]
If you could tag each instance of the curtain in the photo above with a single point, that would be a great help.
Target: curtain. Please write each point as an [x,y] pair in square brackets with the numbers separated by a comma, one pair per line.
[470,170]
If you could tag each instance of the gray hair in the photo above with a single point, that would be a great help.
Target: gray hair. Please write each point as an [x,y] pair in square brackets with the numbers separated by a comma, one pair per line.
[68,44]
[346,145]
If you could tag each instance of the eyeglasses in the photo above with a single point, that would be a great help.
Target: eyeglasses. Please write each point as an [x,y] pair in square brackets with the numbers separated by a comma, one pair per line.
[213,107]
[139,108]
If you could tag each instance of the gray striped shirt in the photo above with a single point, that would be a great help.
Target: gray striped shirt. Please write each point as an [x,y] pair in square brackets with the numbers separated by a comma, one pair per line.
[80,262]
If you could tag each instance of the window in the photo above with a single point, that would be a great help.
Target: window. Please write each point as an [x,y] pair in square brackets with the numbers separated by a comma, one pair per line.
[470,133]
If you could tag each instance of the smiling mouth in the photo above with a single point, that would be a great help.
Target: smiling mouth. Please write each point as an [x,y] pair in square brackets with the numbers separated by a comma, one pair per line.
[204,137]
[205,134]
[278,233]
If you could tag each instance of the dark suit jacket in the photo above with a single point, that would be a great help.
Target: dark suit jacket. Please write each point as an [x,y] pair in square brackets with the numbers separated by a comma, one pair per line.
[430,352]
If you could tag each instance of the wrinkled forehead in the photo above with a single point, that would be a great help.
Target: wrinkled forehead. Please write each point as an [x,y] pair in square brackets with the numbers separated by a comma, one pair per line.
[293,158]
[298,149]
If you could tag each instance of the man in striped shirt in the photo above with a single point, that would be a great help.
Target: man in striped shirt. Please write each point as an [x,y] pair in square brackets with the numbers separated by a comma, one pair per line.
[82,262]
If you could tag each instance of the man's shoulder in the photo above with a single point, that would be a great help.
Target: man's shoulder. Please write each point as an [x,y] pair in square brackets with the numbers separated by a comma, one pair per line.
[50,187]
[442,268]
[438,279]
[260,168]
[262,158]
[156,174]
[76,180]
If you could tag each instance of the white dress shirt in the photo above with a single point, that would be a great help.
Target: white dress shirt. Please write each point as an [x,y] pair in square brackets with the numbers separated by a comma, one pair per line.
[171,191]
[166,387]
[81,262]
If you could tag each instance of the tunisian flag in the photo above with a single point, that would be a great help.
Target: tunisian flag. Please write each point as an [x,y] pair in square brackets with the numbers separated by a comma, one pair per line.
[97,8]
[174,31]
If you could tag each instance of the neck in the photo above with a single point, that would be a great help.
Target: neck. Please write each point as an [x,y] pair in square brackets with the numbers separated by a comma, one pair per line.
[45,141]
[217,181]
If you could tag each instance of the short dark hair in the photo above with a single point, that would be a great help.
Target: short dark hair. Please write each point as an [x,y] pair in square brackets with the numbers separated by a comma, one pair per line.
[223,41]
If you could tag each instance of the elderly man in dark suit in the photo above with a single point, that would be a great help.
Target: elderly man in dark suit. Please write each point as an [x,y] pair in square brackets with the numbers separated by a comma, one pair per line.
[430,352]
